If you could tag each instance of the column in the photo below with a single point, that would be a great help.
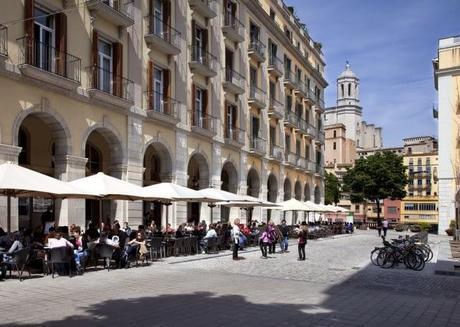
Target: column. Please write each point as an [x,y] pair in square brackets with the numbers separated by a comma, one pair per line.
[9,153]
[178,211]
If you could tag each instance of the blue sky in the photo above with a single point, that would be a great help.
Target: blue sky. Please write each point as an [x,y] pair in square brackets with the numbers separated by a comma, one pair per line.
[390,45]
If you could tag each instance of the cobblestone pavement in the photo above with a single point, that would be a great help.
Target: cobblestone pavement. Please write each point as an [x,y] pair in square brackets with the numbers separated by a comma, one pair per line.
[336,286]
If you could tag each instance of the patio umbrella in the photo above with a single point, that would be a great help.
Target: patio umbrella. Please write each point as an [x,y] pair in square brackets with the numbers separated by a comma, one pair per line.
[109,188]
[177,192]
[18,181]
[224,197]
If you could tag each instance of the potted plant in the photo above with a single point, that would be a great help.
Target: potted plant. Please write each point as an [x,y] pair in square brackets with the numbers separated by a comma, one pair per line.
[451,230]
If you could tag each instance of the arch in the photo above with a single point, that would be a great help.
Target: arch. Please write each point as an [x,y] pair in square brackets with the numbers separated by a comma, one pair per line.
[298,190]
[229,177]
[272,188]
[306,192]
[317,194]
[55,122]
[164,144]
[253,182]
[158,163]
[113,139]
[287,189]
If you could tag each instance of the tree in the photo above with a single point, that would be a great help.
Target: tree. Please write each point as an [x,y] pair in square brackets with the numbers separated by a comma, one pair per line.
[331,189]
[375,178]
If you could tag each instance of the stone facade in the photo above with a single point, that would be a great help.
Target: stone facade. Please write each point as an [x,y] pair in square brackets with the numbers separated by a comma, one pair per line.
[204,94]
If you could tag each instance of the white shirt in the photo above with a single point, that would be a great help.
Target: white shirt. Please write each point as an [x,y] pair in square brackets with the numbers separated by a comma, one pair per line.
[62,242]
[385,224]
[211,233]
[236,234]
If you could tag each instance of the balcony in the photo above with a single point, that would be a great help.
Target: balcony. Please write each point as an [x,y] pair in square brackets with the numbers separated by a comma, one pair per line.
[310,166]
[162,108]
[305,92]
[275,108]
[275,66]
[232,28]
[234,82]
[235,137]
[319,105]
[202,124]
[291,158]
[276,153]
[3,41]
[110,88]
[301,163]
[291,119]
[319,136]
[119,12]
[256,50]
[203,62]
[319,170]
[161,36]
[306,128]
[47,64]
[257,97]
[204,7]
[258,146]
[290,80]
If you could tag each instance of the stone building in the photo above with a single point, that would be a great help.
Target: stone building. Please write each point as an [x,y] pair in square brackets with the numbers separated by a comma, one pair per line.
[227,94]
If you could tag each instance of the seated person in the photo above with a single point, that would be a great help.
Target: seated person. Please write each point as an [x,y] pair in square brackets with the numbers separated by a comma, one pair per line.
[132,246]
[58,242]
[80,252]
[16,246]
[210,234]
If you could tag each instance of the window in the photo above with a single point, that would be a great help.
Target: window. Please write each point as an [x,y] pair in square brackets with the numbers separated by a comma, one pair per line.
[419,182]
[287,141]
[349,89]
[44,30]
[272,90]
[253,80]
[356,207]
[335,134]
[343,92]
[158,12]
[287,65]
[307,151]
[231,121]
[158,85]
[272,135]
[273,49]
[334,146]
[297,147]
[200,108]
[105,57]
[254,32]
[288,102]
[94,163]
[272,14]
[392,210]
[255,122]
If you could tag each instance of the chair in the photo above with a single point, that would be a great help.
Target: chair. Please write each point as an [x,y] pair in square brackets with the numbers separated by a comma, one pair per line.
[212,246]
[19,261]
[157,248]
[61,255]
[105,252]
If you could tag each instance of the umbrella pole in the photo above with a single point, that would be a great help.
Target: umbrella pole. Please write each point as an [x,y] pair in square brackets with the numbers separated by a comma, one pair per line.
[8,213]
[100,214]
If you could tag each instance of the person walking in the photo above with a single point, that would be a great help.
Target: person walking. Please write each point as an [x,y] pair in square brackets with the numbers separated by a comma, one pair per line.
[264,241]
[385,227]
[284,240]
[271,237]
[236,238]
[302,241]
[379,227]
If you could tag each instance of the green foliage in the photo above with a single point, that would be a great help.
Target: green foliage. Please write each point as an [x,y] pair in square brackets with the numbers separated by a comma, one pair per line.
[452,224]
[331,189]
[375,178]
[425,226]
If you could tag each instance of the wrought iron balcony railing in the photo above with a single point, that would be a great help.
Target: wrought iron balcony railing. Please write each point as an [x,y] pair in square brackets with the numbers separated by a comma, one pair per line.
[48,58]
[157,102]
[157,27]
[108,82]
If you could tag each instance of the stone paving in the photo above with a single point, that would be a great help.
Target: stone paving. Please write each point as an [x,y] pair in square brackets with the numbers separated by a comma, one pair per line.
[336,286]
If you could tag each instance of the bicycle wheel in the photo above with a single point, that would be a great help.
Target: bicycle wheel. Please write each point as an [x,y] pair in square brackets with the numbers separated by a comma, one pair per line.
[374,255]
[410,260]
[385,259]
[420,261]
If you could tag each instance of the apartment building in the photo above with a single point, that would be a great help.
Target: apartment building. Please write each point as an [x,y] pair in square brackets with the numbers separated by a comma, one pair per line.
[447,83]
[225,94]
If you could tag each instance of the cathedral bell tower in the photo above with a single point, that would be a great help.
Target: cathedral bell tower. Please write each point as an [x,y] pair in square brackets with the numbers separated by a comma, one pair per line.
[347,88]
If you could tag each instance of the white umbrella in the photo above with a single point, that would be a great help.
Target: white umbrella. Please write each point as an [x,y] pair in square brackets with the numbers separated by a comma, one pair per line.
[220,194]
[109,187]
[332,208]
[22,182]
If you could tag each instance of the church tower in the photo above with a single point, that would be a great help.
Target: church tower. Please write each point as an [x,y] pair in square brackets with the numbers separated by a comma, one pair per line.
[348,88]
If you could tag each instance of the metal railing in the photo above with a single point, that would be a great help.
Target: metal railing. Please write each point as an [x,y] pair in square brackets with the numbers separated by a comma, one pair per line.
[160,103]
[319,169]
[106,81]
[275,63]
[203,57]
[156,26]
[276,106]
[320,103]
[258,144]
[258,47]
[257,94]
[290,77]
[235,134]
[320,135]
[310,165]
[124,7]
[231,21]
[291,158]
[291,117]
[3,40]
[276,152]
[202,120]
[234,77]
[306,127]
[48,58]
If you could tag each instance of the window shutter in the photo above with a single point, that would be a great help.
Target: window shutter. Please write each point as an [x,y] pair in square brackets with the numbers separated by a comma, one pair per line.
[149,92]
[94,55]
[206,118]
[166,89]
[118,69]
[61,43]
[29,6]
[235,116]
[193,105]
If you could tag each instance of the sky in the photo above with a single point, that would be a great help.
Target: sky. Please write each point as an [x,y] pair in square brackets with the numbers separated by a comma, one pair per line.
[390,45]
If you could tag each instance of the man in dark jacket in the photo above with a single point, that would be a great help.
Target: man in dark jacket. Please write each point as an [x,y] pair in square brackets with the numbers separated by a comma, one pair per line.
[284,240]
